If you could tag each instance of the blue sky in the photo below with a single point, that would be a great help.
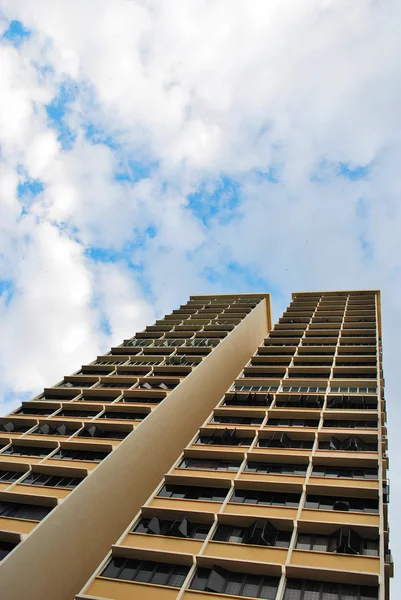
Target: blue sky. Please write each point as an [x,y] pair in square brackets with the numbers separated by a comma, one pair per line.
[142,161]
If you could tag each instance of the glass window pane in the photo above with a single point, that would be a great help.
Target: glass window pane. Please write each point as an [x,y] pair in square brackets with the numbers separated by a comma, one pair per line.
[178,576]
[234,584]
[268,591]
[200,580]
[251,587]
[113,568]
[161,575]
[145,572]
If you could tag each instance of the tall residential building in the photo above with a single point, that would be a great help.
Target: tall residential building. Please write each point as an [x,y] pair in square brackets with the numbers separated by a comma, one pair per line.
[258,472]
[78,461]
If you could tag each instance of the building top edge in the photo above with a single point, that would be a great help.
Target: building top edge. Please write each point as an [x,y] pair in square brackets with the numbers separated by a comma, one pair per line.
[362,292]
[233,295]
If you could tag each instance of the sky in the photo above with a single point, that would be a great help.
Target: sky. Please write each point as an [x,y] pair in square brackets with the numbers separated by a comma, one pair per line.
[154,149]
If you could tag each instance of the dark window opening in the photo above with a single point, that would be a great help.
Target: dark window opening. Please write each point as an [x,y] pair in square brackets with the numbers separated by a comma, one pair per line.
[41,479]
[179,528]
[221,581]
[342,541]
[284,441]
[34,512]
[299,589]
[275,468]
[89,455]
[265,498]
[210,464]
[350,444]
[259,533]
[193,493]
[144,571]
[367,505]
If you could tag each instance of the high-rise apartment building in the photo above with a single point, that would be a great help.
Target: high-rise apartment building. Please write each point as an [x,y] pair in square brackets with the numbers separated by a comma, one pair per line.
[210,456]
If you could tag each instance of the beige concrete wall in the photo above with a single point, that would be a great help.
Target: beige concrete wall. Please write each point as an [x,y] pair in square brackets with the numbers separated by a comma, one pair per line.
[57,559]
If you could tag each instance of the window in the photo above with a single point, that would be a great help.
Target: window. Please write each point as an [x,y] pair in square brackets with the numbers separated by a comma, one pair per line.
[352,402]
[27,450]
[265,498]
[343,541]
[10,427]
[236,420]
[304,389]
[111,361]
[77,384]
[138,399]
[275,468]
[24,410]
[210,464]
[261,533]
[10,476]
[92,431]
[202,342]
[6,547]
[82,413]
[52,480]
[360,389]
[299,401]
[144,571]
[193,493]
[354,424]
[156,385]
[344,472]
[98,398]
[179,528]
[298,589]
[89,455]
[293,423]
[349,444]
[248,399]
[224,437]
[367,505]
[116,384]
[138,343]
[239,387]
[34,512]
[65,396]
[122,416]
[56,429]
[284,441]
[221,581]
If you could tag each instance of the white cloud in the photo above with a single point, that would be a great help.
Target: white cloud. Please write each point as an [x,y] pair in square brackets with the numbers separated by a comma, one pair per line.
[201,89]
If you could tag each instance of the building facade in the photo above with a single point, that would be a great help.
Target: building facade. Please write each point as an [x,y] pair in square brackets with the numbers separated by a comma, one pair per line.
[258,472]
[78,461]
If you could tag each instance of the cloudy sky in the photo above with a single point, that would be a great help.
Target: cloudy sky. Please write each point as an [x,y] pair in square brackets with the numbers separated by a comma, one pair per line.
[154,149]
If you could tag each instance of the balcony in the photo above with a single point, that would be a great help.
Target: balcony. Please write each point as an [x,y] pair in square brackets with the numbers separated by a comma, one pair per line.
[48,430]
[346,563]
[246,552]
[127,590]
[321,484]
[314,372]
[15,427]
[256,510]
[161,543]
[17,525]
[41,491]
[250,399]
[309,401]
[270,361]
[35,409]
[264,372]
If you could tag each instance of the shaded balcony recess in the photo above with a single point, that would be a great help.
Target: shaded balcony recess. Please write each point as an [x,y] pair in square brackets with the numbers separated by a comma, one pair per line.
[343,541]
[349,444]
